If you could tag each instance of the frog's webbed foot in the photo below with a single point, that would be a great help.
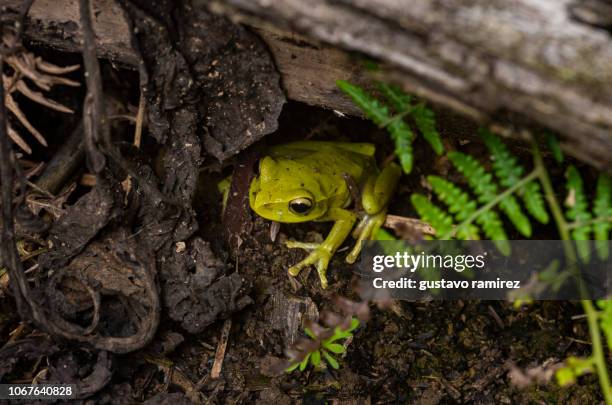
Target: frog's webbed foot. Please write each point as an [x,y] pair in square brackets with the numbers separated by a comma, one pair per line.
[321,253]
[365,230]
[319,257]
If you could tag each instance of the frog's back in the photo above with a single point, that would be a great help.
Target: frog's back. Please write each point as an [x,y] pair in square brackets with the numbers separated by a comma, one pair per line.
[328,158]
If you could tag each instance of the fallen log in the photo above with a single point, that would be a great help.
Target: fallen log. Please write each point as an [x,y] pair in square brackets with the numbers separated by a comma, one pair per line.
[544,61]
[522,64]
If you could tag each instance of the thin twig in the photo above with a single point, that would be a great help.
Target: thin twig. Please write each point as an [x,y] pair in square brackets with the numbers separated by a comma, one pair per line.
[396,221]
[215,372]
[139,121]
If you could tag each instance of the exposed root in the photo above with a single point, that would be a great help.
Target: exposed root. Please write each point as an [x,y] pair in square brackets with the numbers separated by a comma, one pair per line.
[44,75]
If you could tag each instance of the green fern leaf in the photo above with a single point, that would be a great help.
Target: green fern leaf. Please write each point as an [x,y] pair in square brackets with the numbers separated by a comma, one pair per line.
[602,208]
[534,201]
[424,117]
[458,201]
[443,223]
[425,120]
[459,204]
[402,136]
[555,148]
[400,132]
[577,210]
[469,232]
[492,227]
[506,165]
[373,109]
[509,172]
[433,215]
[478,178]
[483,186]
[513,210]
[400,100]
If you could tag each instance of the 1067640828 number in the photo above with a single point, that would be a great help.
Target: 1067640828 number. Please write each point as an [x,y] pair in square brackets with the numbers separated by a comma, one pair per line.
[39,391]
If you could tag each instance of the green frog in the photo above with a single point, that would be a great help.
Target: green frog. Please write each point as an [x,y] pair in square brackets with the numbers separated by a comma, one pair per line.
[320,181]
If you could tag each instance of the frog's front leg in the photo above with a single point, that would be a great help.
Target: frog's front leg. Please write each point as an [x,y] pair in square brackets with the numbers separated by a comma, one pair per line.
[322,253]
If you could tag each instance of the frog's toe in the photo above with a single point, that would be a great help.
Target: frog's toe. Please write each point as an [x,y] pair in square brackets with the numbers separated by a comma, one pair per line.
[292,244]
[354,254]
[318,258]
[368,227]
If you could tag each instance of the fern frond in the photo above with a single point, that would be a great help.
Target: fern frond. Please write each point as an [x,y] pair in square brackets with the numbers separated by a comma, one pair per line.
[481,182]
[462,207]
[534,201]
[513,210]
[494,229]
[374,110]
[506,165]
[402,137]
[425,120]
[555,148]
[459,204]
[423,117]
[509,172]
[400,100]
[432,214]
[602,208]
[478,178]
[578,210]
[400,132]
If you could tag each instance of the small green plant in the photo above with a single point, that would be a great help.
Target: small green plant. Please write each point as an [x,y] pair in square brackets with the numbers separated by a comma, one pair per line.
[574,368]
[393,118]
[322,346]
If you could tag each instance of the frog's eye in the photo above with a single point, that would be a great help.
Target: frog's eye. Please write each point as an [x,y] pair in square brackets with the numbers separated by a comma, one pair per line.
[300,205]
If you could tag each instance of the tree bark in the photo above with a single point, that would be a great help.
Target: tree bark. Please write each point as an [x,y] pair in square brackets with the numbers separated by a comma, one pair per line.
[521,65]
